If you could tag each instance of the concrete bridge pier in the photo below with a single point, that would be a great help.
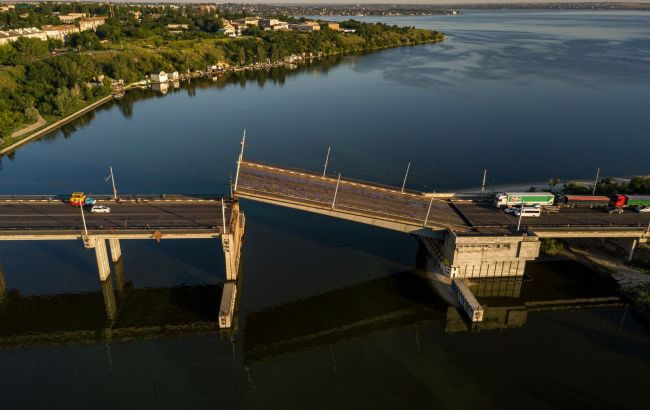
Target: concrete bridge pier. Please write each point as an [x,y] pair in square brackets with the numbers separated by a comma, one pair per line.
[116,250]
[630,247]
[120,282]
[104,269]
[231,241]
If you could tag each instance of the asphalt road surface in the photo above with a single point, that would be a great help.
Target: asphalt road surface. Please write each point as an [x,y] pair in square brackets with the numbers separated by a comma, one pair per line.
[125,215]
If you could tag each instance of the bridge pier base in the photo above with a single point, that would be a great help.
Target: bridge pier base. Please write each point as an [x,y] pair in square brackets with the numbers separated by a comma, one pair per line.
[231,242]
[482,256]
[116,250]
[104,269]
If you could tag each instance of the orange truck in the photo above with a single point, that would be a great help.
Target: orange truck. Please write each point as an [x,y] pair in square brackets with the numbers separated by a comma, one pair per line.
[80,199]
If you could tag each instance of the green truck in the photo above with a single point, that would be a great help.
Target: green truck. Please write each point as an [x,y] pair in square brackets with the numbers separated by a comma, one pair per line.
[509,199]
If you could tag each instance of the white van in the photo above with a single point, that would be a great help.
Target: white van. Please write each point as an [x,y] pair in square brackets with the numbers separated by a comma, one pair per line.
[529,211]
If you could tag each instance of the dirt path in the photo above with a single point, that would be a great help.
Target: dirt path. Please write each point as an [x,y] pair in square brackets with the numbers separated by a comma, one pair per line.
[26,130]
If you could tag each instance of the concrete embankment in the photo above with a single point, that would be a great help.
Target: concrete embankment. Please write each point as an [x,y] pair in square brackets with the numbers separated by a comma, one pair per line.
[55,125]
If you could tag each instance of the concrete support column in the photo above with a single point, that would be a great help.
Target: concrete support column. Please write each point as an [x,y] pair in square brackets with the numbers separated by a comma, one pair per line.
[629,248]
[231,242]
[119,275]
[116,250]
[104,269]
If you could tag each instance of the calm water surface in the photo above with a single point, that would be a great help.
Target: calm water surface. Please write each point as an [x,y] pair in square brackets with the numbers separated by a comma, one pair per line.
[331,313]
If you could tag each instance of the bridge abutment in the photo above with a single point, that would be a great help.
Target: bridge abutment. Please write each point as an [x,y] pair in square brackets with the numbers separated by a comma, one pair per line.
[482,256]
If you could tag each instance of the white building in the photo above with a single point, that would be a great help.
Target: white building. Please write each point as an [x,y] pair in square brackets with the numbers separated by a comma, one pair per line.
[160,77]
[91,23]
[10,36]
[71,17]
[60,32]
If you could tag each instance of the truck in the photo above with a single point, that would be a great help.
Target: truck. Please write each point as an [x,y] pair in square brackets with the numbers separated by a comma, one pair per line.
[582,201]
[509,199]
[80,199]
[619,201]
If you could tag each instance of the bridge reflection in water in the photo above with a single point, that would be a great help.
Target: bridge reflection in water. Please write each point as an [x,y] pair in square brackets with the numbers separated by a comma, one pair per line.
[402,300]
[408,299]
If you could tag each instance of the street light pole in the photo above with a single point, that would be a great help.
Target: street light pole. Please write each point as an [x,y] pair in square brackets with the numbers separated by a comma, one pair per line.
[484,177]
[327,158]
[336,190]
[521,212]
[426,219]
[241,157]
[113,182]
[596,182]
[406,175]
[83,219]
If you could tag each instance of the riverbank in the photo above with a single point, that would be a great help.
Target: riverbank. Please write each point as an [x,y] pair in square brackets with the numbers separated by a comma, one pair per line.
[602,257]
[45,130]
[304,58]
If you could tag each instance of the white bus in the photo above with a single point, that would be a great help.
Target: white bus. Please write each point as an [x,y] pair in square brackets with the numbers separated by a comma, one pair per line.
[529,211]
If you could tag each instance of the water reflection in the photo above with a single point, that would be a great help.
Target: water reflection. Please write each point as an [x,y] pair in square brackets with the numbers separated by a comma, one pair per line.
[407,299]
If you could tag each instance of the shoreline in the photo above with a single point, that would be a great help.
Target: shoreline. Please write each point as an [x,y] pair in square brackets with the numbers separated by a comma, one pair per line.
[119,92]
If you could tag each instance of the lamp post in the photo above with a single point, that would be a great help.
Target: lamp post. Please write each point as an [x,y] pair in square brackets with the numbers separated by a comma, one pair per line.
[406,175]
[327,158]
[336,190]
[239,160]
[426,219]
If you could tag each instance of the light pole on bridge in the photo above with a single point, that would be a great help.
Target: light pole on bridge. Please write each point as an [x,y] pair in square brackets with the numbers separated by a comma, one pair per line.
[239,160]
[596,182]
[112,177]
[406,175]
[83,219]
[327,158]
[426,219]
[336,190]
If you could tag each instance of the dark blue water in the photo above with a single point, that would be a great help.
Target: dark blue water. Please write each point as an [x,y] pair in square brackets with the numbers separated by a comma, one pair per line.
[329,314]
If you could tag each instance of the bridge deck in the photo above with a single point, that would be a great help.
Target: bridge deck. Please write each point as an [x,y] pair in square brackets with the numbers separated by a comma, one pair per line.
[20,218]
[356,200]
[298,188]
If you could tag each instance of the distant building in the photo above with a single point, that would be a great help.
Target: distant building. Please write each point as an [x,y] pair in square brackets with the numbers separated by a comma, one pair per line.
[60,32]
[174,76]
[177,27]
[7,7]
[137,14]
[268,22]
[333,26]
[71,17]
[305,26]
[282,25]
[91,23]
[10,36]
[348,30]
[160,77]
[248,21]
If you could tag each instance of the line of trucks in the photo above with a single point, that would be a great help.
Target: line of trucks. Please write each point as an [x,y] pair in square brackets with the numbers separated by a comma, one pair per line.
[541,199]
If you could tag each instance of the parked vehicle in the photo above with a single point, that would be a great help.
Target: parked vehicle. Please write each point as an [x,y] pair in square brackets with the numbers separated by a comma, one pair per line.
[100,209]
[582,201]
[509,199]
[77,199]
[528,211]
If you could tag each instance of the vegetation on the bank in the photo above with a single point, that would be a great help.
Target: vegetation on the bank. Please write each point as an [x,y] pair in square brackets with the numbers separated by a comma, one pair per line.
[643,265]
[51,78]
[637,185]
[551,246]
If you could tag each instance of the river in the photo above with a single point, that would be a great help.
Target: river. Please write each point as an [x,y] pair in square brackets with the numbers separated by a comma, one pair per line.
[331,313]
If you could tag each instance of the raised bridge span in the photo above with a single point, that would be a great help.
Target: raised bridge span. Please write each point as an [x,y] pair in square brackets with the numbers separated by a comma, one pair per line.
[466,235]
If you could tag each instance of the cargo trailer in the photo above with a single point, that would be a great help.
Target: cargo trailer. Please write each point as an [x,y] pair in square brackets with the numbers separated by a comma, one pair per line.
[508,199]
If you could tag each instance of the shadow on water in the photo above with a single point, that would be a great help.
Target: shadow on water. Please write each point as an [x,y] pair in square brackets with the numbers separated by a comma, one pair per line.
[46,320]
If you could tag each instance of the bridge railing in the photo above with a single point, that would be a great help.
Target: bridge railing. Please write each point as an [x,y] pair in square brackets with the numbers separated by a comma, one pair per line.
[106,197]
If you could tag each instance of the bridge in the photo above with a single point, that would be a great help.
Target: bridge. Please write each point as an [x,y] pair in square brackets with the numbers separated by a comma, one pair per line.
[132,217]
[465,235]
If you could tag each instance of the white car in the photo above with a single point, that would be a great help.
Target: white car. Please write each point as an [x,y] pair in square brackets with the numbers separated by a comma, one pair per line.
[643,209]
[100,209]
